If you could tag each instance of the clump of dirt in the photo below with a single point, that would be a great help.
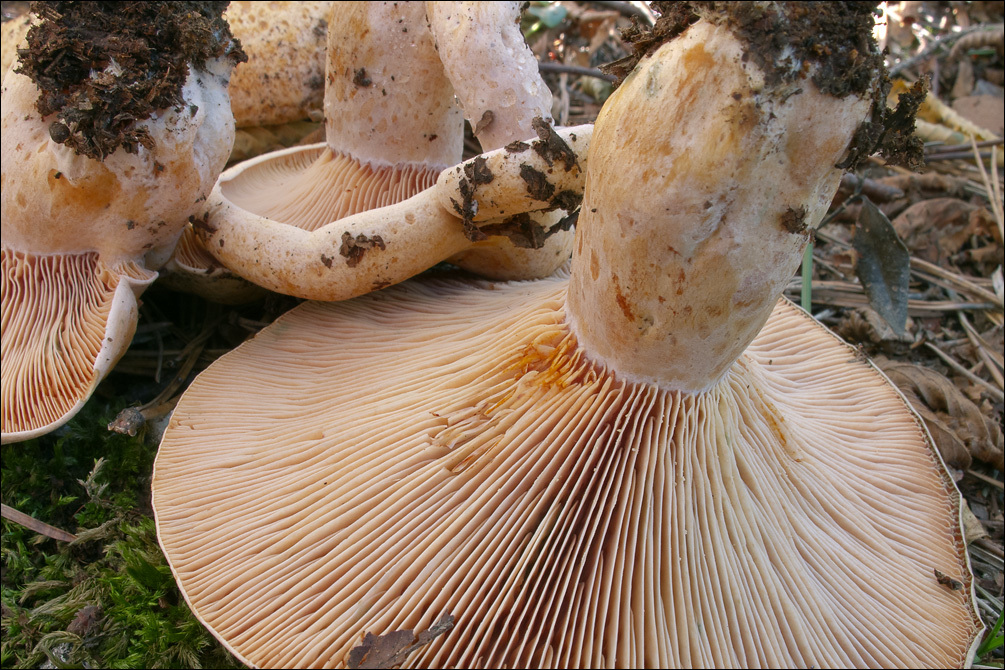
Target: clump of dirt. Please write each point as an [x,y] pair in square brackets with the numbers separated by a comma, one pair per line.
[100,67]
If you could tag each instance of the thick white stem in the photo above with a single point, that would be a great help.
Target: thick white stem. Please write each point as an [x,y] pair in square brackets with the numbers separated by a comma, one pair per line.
[372,249]
[496,79]
[703,183]
[387,99]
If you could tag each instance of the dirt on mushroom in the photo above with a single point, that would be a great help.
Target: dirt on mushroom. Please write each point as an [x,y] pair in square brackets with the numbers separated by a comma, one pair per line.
[144,65]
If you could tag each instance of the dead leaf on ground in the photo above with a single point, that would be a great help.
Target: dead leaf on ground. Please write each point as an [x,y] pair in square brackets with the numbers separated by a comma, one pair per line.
[961,432]
[935,230]
[883,265]
[391,649]
[986,111]
[865,325]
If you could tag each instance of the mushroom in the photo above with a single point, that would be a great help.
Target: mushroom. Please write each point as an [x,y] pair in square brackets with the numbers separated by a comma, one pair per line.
[496,80]
[619,467]
[380,247]
[116,124]
[284,78]
[391,127]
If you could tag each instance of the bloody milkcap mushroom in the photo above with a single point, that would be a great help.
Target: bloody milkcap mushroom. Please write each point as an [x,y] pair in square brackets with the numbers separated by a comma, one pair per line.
[391,127]
[650,462]
[116,123]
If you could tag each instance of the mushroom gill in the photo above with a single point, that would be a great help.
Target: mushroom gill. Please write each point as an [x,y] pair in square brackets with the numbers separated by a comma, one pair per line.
[116,123]
[651,461]
[564,517]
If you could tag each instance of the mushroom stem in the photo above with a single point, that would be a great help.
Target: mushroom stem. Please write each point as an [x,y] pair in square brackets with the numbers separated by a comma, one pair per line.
[379,247]
[387,98]
[497,82]
[692,226]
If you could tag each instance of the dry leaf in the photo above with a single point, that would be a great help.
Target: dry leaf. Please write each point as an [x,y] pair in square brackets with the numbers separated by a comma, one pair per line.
[985,111]
[391,649]
[865,325]
[961,432]
[935,230]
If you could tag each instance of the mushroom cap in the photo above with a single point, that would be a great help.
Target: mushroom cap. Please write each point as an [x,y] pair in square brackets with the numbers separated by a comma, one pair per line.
[391,126]
[310,186]
[55,201]
[383,246]
[67,319]
[284,78]
[81,236]
[443,446]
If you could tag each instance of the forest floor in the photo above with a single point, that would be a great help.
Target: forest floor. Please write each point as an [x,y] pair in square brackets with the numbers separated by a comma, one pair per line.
[103,595]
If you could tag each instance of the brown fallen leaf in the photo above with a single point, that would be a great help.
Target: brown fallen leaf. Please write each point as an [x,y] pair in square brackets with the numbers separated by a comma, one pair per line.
[391,649]
[937,229]
[946,580]
[986,111]
[961,432]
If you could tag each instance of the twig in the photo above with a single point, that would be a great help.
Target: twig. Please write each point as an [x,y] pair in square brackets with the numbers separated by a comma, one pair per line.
[850,294]
[943,148]
[948,360]
[31,523]
[937,43]
[983,351]
[877,191]
[920,266]
[988,480]
[562,68]
[993,195]
[959,156]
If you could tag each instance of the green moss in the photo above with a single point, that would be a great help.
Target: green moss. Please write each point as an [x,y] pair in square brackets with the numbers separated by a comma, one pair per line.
[107,599]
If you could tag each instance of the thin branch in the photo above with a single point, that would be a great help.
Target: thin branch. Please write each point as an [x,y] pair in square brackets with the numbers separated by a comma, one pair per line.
[948,360]
[562,68]
[33,524]
[940,42]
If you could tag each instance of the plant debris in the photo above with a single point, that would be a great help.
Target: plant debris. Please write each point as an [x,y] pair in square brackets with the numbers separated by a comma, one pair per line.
[391,649]
[102,67]
[353,248]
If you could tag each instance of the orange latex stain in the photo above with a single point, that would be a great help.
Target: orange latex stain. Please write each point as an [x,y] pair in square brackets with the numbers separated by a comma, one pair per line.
[552,361]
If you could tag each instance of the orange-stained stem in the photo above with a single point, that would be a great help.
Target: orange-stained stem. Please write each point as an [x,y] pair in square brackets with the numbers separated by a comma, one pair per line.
[704,181]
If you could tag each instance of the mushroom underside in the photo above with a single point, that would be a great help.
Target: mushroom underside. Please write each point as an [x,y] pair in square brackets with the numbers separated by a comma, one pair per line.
[312,186]
[66,320]
[305,187]
[445,447]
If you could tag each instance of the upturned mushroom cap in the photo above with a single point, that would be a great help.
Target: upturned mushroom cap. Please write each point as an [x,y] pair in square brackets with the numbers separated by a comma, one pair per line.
[455,447]
[82,236]
[446,447]
[391,126]
[379,247]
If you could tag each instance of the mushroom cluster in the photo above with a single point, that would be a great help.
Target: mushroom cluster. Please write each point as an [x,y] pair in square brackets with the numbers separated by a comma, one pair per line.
[392,126]
[650,461]
[116,124]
